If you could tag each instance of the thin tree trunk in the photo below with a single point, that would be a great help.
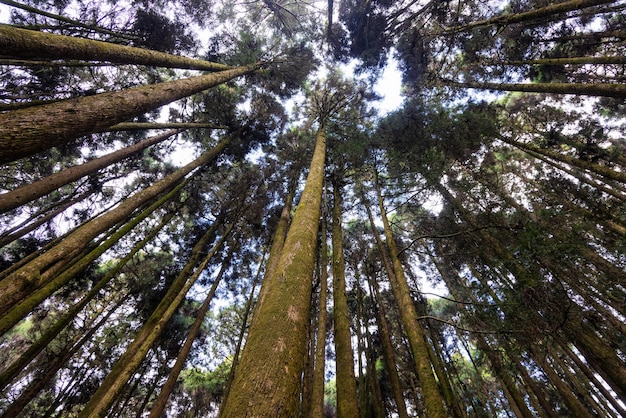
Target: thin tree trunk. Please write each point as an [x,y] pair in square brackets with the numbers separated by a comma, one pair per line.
[540,13]
[37,273]
[603,90]
[317,395]
[24,194]
[102,399]
[26,44]
[576,162]
[568,61]
[347,405]
[385,338]
[168,386]
[432,397]
[28,131]
[36,295]
[18,365]
[267,382]
[41,380]
[140,126]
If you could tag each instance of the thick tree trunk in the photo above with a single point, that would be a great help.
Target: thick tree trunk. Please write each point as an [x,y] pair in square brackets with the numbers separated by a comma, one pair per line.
[277,246]
[102,399]
[27,131]
[347,405]
[17,197]
[26,44]
[37,273]
[267,382]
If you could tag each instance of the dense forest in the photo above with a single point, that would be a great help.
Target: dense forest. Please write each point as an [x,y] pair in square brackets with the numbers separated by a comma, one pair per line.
[205,212]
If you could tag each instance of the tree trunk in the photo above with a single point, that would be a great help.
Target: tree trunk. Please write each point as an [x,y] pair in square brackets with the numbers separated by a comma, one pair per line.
[102,399]
[140,126]
[540,13]
[28,131]
[267,382]
[38,295]
[168,386]
[37,273]
[603,90]
[390,356]
[24,194]
[25,44]
[317,393]
[432,397]
[347,405]
[68,316]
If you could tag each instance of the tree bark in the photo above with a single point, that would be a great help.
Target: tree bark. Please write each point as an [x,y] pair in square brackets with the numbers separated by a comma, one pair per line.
[28,131]
[24,194]
[432,397]
[102,399]
[14,368]
[26,44]
[170,383]
[267,381]
[603,90]
[317,393]
[540,13]
[35,274]
[347,405]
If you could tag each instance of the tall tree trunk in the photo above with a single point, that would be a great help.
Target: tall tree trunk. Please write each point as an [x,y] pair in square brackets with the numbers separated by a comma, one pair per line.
[415,332]
[68,316]
[25,44]
[278,241]
[540,13]
[141,126]
[170,383]
[347,405]
[317,393]
[267,382]
[38,295]
[388,351]
[102,399]
[617,91]
[27,131]
[42,187]
[40,271]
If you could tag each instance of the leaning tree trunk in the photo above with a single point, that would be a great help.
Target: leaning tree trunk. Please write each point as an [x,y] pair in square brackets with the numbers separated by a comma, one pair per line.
[170,383]
[25,306]
[587,89]
[531,15]
[27,131]
[141,126]
[267,381]
[68,316]
[25,44]
[35,274]
[17,197]
[347,404]
[112,385]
